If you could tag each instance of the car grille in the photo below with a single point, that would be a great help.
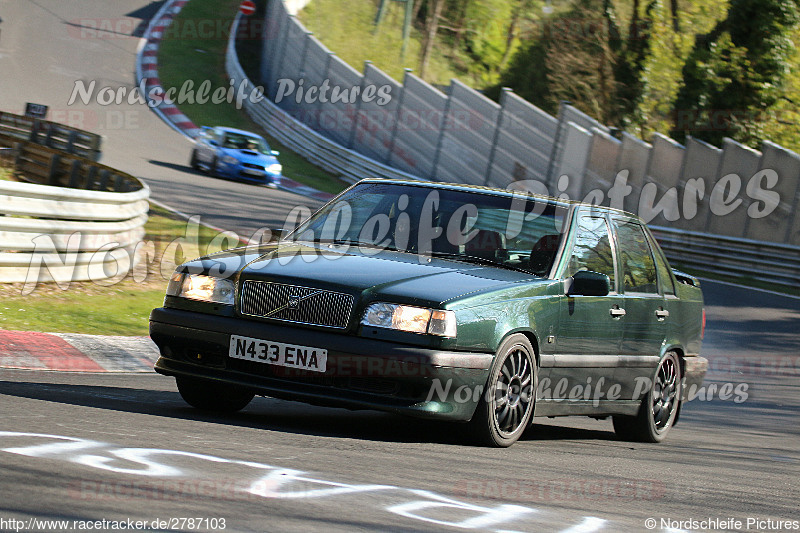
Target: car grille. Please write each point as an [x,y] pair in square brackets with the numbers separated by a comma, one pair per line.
[251,165]
[292,303]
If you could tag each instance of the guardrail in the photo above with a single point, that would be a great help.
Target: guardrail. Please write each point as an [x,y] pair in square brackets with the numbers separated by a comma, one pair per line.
[772,263]
[51,134]
[69,219]
[313,146]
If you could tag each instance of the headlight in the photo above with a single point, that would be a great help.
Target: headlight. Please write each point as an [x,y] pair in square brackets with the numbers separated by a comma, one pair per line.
[230,160]
[275,168]
[201,288]
[412,319]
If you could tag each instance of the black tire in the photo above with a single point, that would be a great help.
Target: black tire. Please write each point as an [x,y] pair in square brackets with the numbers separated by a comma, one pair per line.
[212,396]
[506,406]
[659,406]
[193,161]
[212,169]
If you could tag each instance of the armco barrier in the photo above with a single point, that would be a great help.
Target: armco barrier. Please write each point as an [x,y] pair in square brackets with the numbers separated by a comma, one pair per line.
[70,219]
[52,135]
[773,263]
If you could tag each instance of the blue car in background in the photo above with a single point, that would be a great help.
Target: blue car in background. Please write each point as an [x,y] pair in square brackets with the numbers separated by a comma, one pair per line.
[236,154]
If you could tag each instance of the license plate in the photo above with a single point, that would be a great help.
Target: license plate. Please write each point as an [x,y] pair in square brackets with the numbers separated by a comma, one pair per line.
[278,353]
[252,172]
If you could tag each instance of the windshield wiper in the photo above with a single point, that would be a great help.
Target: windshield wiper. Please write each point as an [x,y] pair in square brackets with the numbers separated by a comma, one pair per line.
[353,242]
[475,259]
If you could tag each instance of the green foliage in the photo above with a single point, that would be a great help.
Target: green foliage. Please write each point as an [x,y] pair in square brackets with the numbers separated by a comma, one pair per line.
[783,121]
[475,38]
[662,67]
[351,34]
[528,75]
[630,65]
[736,73]
[487,24]
[582,56]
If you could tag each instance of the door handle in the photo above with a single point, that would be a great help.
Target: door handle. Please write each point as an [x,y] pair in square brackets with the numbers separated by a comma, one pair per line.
[661,313]
[616,312]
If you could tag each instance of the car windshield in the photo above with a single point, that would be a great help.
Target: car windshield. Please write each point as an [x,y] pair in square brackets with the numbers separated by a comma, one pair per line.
[515,232]
[245,142]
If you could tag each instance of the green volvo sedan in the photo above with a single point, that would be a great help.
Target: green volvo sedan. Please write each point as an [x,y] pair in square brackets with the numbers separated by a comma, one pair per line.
[453,302]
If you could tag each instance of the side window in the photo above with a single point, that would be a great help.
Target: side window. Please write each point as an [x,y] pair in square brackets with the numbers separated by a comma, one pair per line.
[592,248]
[664,275]
[638,270]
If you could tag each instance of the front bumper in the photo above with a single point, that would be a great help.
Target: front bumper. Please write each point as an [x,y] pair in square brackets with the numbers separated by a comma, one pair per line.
[239,171]
[361,373]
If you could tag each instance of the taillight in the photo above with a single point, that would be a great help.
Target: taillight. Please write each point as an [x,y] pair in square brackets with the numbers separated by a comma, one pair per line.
[703,327]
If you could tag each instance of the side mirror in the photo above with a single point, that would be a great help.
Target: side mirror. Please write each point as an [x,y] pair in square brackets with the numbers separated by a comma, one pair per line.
[588,283]
[275,153]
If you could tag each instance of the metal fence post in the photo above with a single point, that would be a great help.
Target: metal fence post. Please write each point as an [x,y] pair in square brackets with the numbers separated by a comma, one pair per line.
[442,129]
[268,51]
[496,135]
[707,222]
[398,113]
[551,166]
[274,75]
[361,86]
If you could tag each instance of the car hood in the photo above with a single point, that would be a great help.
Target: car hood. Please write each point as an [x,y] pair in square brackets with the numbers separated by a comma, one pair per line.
[369,273]
[250,156]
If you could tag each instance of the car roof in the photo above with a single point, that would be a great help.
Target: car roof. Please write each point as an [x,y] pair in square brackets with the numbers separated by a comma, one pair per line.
[234,130]
[500,192]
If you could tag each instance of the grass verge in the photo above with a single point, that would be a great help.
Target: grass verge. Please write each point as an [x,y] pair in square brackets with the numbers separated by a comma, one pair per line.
[190,55]
[350,33]
[98,308]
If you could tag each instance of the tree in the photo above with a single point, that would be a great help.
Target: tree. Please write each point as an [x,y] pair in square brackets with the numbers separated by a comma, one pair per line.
[630,65]
[431,28]
[581,70]
[736,73]
[492,29]
[583,57]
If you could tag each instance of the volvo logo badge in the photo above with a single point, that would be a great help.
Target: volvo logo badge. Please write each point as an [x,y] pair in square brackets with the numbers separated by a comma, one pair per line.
[294,301]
